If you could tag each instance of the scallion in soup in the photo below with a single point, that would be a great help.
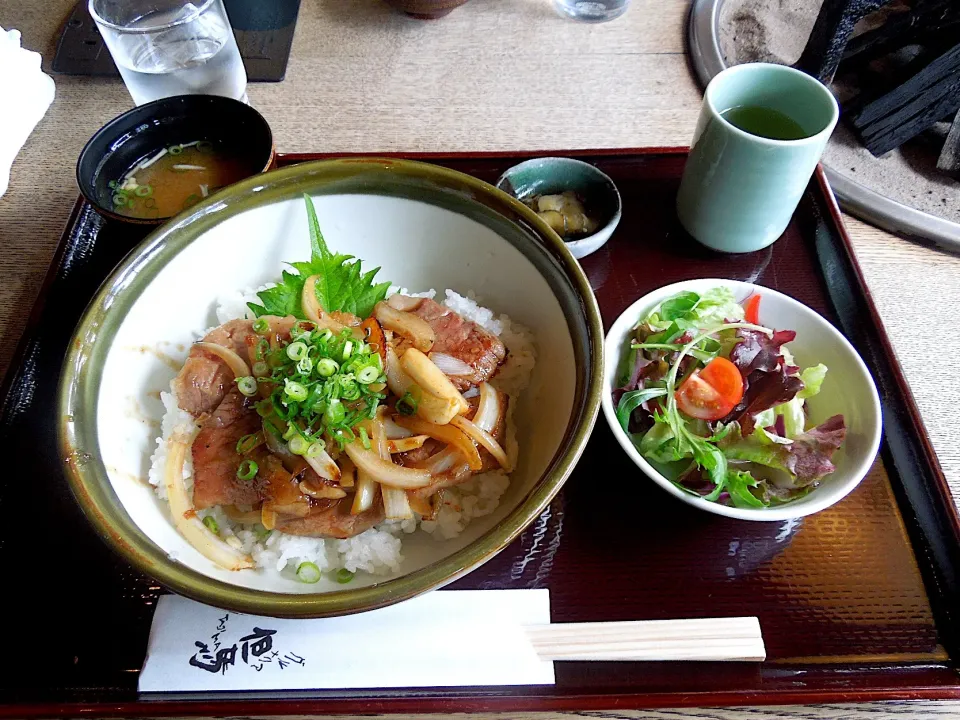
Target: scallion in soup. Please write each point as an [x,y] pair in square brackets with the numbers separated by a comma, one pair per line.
[173,179]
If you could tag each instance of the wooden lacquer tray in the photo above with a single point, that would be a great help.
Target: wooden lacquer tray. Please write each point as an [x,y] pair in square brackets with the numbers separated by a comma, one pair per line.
[858,602]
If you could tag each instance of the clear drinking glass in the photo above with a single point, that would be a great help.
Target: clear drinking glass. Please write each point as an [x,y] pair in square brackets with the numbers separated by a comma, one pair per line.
[172,47]
[591,10]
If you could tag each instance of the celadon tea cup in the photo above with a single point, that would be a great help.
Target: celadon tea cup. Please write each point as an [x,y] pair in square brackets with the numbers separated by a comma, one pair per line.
[740,188]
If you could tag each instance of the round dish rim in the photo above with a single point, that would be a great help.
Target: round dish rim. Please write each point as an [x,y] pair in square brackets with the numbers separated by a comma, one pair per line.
[90,484]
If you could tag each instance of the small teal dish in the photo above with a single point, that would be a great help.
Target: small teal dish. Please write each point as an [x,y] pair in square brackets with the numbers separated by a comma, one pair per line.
[554,175]
[739,190]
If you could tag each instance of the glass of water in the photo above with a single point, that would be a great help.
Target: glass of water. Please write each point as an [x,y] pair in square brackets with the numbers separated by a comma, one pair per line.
[172,47]
[591,10]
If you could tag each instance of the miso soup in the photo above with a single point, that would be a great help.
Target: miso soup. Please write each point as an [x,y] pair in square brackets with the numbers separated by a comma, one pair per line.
[175,178]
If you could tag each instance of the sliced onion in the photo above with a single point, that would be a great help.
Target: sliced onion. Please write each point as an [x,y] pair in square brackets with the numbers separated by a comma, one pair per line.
[316,314]
[443,461]
[471,393]
[450,365]
[397,379]
[365,495]
[431,378]
[412,327]
[404,303]
[321,492]
[324,466]
[268,518]
[445,434]
[394,431]
[237,364]
[248,517]
[482,437]
[402,445]
[185,517]
[427,506]
[395,503]
[384,471]
[490,408]
[347,473]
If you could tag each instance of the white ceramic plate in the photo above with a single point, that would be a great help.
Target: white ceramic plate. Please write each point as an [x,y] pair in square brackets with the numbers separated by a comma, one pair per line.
[848,390]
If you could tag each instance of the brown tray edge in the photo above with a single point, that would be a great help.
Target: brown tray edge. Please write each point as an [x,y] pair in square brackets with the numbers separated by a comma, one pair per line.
[933,689]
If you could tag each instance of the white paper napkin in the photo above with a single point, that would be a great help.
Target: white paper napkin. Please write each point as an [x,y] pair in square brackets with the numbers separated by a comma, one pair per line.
[445,638]
[25,93]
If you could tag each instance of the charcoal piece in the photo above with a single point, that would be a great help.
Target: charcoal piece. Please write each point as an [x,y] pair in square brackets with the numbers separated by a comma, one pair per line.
[912,107]
[949,160]
[831,33]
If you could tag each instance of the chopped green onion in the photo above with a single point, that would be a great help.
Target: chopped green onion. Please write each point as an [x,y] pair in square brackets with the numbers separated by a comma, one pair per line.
[297,445]
[364,438]
[308,572]
[297,351]
[327,334]
[260,369]
[143,191]
[112,184]
[294,390]
[247,385]
[119,200]
[261,532]
[344,576]
[175,149]
[247,443]
[407,405]
[305,366]
[265,407]
[335,413]
[327,367]
[368,375]
[290,432]
[261,325]
[316,449]
[211,524]
[247,470]
[347,349]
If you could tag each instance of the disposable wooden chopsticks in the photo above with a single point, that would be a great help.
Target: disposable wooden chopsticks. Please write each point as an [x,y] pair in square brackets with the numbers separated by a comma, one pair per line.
[732,639]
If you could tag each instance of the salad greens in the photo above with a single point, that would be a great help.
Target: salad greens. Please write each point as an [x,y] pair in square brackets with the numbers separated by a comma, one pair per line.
[714,401]
[340,285]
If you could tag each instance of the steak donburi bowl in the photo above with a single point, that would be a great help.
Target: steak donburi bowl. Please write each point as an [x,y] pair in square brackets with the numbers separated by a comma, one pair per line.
[259,424]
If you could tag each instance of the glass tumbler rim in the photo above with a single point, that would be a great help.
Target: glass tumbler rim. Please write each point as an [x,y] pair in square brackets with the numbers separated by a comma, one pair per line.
[204,5]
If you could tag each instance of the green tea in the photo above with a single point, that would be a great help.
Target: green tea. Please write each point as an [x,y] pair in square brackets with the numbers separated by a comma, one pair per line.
[764,122]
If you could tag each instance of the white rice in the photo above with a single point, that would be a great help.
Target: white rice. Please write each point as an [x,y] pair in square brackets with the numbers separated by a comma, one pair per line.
[378,550]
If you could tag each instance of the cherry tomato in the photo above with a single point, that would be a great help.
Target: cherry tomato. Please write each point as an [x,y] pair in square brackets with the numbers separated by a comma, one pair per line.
[751,309]
[711,393]
[724,377]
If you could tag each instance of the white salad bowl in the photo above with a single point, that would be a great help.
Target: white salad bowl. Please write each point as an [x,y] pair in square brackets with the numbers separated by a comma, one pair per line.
[425,227]
[848,390]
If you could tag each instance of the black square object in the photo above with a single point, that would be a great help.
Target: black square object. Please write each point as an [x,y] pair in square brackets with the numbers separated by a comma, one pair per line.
[264,32]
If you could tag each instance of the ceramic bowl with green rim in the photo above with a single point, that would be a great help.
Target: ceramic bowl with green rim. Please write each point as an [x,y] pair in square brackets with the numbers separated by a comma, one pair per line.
[427,228]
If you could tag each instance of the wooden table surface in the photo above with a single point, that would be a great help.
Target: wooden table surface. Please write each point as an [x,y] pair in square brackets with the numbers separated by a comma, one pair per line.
[494,75]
